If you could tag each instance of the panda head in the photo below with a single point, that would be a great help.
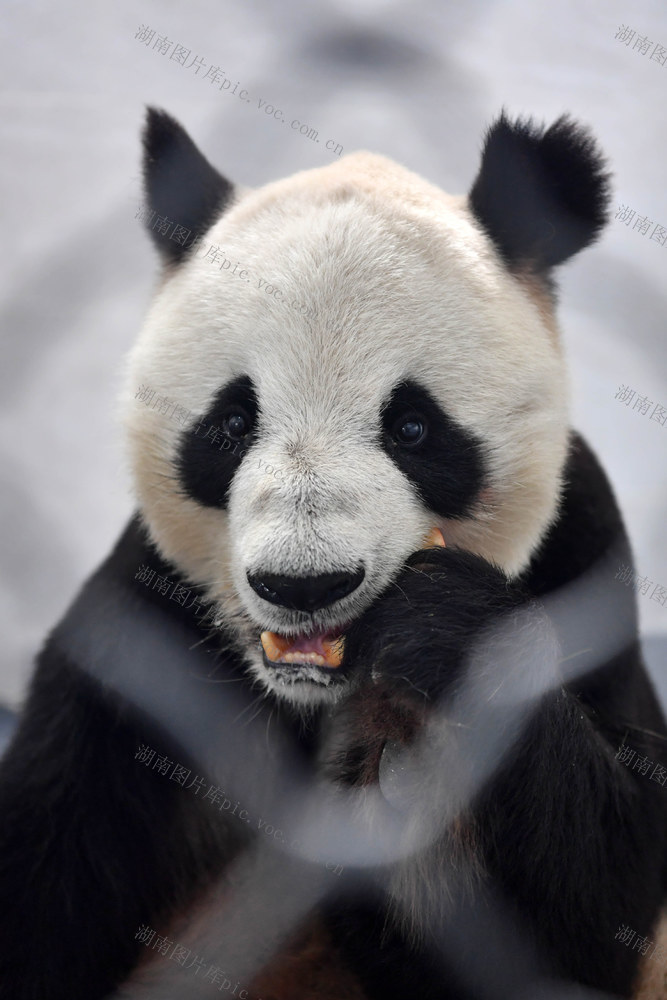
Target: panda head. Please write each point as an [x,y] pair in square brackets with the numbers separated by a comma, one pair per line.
[350,358]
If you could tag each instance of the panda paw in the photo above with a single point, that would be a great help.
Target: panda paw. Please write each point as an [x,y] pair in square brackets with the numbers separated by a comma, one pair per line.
[452,643]
[415,638]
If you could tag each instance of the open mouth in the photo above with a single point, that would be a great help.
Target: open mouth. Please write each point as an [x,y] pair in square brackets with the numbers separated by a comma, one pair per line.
[323,649]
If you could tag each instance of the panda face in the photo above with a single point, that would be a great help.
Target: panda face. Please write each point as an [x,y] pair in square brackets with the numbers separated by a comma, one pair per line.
[423,388]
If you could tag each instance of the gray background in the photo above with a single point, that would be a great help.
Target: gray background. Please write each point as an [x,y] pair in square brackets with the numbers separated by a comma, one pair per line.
[417,81]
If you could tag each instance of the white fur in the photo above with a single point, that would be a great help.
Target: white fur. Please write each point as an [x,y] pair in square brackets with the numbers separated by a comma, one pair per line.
[401,283]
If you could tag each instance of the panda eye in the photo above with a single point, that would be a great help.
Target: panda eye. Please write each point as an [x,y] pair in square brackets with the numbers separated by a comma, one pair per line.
[236,424]
[409,430]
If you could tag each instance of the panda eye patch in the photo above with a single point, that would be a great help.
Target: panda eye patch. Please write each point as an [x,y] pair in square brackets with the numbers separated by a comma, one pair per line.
[443,460]
[211,451]
[409,430]
[237,424]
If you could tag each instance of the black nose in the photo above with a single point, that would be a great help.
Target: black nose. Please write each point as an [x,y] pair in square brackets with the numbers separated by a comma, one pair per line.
[305,593]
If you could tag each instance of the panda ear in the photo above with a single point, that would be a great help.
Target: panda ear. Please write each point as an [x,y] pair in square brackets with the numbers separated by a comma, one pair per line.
[180,186]
[540,195]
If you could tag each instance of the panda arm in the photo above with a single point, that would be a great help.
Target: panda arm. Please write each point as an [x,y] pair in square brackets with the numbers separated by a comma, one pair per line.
[575,840]
[92,844]
[82,865]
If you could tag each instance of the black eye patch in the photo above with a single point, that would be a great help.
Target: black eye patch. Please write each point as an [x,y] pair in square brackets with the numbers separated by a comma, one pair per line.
[442,460]
[211,449]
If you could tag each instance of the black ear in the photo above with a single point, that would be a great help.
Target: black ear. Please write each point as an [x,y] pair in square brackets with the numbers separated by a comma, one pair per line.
[540,195]
[184,193]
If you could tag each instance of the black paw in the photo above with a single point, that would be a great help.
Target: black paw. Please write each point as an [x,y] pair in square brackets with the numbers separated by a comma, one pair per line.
[417,636]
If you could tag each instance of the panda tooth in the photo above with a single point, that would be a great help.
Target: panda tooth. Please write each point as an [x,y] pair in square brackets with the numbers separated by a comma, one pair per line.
[334,649]
[315,658]
[273,645]
[434,538]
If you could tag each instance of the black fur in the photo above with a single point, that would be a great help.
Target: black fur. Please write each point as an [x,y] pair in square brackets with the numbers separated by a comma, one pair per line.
[207,456]
[541,194]
[447,467]
[180,185]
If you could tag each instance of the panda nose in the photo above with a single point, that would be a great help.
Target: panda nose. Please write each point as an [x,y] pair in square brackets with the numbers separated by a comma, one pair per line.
[305,593]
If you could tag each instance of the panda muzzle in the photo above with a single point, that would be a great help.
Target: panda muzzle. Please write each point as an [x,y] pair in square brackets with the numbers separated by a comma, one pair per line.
[323,649]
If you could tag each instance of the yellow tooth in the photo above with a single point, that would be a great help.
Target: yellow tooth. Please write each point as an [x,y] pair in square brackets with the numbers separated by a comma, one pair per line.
[273,645]
[434,537]
[334,649]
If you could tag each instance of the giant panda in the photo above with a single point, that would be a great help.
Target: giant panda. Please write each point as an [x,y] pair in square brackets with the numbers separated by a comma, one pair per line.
[368,603]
